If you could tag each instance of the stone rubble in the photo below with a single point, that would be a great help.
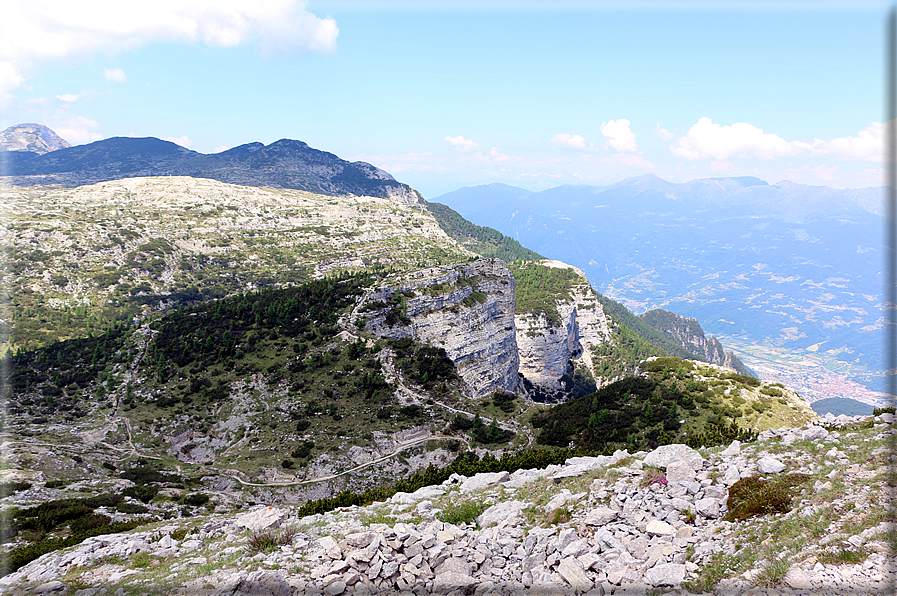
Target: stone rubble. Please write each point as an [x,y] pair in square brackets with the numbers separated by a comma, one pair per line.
[622,536]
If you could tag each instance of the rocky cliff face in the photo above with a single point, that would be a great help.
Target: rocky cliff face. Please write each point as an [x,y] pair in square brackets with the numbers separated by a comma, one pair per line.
[468,310]
[546,348]
[689,334]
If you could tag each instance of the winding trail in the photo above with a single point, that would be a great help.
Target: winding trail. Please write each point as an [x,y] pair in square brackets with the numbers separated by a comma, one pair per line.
[399,449]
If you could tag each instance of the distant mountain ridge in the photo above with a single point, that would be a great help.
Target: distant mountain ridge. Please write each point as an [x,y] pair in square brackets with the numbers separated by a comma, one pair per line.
[788,265]
[283,164]
[31,138]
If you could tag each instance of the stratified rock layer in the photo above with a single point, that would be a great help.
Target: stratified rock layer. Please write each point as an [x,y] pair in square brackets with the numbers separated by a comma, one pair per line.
[468,310]
[546,349]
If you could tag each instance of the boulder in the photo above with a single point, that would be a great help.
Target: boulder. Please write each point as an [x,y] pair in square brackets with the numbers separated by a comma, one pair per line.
[665,574]
[708,507]
[655,526]
[258,583]
[666,454]
[770,465]
[260,519]
[484,480]
[503,511]
[732,450]
[571,570]
[680,471]
[600,516]
[451,581]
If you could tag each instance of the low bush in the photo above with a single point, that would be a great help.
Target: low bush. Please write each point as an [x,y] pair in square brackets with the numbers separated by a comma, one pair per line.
[461,513]
[754,496]
[265,541]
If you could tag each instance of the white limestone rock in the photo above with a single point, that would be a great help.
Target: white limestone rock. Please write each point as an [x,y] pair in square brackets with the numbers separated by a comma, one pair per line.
[666,454]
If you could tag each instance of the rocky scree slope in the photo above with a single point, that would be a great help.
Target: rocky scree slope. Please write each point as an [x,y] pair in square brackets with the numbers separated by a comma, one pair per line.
[665,521]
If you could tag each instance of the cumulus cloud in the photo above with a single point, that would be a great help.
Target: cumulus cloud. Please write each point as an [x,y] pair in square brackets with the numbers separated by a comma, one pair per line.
[866,145]
[38,30]
[573,141]
[662,133]
[462,144]
[77,130]
[115,74]
[182,141]
[619,137]
[709,140]
[68,97]
[495,155]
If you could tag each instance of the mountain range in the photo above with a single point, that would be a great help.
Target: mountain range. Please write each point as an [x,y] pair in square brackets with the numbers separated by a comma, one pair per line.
[283,164]
[786,265]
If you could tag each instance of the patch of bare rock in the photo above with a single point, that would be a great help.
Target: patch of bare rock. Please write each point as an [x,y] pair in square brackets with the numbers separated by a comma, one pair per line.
[642,523]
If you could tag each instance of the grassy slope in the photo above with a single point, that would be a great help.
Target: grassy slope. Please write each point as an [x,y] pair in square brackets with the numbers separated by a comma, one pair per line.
[647,410]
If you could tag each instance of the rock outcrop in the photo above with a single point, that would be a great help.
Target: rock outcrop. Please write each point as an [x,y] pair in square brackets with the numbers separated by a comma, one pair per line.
[33,138]
[468,310]
[690,336]
[546,349]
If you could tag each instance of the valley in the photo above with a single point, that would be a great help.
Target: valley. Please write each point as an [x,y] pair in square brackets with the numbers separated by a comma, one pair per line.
[815,375]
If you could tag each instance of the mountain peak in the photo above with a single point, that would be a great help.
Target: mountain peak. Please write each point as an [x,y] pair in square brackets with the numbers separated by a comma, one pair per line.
[32,137]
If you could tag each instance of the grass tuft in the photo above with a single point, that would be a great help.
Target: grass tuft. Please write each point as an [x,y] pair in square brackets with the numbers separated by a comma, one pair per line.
[461,513]
[753,496]
[269,540]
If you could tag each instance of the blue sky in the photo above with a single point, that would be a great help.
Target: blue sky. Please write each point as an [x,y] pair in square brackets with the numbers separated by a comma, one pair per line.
[451,94]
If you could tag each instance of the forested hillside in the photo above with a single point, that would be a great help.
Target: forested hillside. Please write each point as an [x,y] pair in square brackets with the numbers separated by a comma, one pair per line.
[480,239]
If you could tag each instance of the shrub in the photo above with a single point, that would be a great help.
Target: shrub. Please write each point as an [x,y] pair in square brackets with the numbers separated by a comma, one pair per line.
[265,541]
[144,494]
[753,496]
[461,513]
[90,521]
[196,499]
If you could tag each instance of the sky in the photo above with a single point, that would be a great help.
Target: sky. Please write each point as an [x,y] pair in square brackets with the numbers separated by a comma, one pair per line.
[450,94]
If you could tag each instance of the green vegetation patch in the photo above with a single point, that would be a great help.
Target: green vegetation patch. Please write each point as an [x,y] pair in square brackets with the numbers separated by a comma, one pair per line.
[754,495]
[538,288]
[642,413]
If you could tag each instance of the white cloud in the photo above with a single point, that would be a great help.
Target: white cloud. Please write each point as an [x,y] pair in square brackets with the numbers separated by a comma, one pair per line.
[182,141]
[115,74]
[68,97]
[77,130]
[866,145]
[619,137]
[220,148]
[662,133]
[462,144]
[708,140]
[573,141]
[495,156]
[38,30]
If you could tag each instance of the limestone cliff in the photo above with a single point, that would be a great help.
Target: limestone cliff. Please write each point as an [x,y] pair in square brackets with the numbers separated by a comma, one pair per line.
[547,341]
[466,309]
[689,335]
